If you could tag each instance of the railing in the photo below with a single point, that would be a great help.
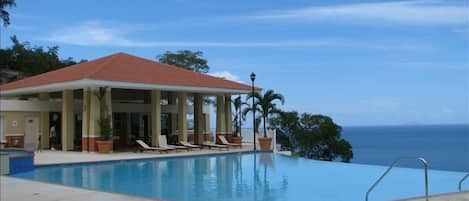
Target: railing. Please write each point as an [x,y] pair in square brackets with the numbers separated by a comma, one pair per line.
[461,181]
[396,162]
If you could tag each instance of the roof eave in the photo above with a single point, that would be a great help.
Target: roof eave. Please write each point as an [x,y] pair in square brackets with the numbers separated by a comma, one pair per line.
[83,83]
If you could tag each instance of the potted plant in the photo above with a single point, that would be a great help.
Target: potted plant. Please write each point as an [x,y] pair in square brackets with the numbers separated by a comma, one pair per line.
[238,103]
[104,144]
[266,106]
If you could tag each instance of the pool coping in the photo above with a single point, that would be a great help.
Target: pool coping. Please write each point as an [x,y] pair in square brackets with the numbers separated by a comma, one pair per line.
[149,157]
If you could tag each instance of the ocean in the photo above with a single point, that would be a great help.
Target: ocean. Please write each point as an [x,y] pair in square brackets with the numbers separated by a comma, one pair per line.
[445,147]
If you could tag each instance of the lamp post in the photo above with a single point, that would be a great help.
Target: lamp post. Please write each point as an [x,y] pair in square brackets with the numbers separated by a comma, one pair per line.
[253,77]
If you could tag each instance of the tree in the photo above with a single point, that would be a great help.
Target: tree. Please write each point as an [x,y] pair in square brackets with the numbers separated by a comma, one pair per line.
[238,119]
[265,105]
[187,59]
[4,15]
[285,123]
[313,136]
[21,59]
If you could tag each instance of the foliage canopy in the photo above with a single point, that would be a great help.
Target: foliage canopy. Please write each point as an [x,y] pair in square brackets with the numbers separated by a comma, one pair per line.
[187,59]
[312,136]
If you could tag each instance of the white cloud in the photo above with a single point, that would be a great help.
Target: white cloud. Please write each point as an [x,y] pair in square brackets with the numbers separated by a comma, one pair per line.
[408,12]
[464,30]
[98,33]
[227,76]
[91,33]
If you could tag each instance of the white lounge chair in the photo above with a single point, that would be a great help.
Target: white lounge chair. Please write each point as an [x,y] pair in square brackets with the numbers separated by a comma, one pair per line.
[213,145]
[162,142]
[145,147]
[225,142]
[189,145]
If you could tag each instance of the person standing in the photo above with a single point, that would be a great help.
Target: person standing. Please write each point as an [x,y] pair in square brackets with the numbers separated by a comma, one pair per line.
[52,138]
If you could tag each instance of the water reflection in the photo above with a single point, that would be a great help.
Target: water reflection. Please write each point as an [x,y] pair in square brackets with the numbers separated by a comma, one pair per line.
[224,177]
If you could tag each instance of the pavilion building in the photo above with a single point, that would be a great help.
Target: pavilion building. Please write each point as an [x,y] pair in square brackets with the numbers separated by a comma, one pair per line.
[60,109]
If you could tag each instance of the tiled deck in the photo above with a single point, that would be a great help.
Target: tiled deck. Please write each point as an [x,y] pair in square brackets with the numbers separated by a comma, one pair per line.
[13,189]
[59,157]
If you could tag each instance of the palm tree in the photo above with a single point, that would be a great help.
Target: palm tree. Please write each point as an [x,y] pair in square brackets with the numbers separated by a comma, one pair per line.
[265,105]
[238,104]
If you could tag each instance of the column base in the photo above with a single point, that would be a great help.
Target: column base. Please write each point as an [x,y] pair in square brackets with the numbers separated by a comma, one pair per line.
[91,141]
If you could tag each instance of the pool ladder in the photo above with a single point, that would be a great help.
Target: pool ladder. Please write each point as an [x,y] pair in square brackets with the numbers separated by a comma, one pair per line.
[396,162]
[461,181]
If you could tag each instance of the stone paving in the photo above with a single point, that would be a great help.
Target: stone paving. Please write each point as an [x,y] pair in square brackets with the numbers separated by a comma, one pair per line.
[14,189]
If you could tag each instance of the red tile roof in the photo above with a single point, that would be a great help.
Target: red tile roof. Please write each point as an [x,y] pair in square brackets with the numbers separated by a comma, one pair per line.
[123,67]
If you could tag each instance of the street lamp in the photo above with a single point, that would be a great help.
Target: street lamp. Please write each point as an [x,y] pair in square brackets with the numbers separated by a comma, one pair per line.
[253,77]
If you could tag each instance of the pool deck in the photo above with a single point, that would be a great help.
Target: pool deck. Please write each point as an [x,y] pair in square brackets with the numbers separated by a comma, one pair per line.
[46,157]
[21,189]
[460,196]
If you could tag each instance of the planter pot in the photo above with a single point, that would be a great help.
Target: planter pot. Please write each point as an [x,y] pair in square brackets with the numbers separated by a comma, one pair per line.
[228,137]
[265,143]
[207,137]
[236,139]
[104,146]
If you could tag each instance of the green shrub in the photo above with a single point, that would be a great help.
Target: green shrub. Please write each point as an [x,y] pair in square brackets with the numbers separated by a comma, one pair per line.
[105,127]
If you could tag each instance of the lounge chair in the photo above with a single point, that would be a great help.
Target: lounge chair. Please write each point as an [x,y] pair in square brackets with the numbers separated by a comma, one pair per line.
[213,145]
[145,147]
[162,142]
[225,142]
[189,145]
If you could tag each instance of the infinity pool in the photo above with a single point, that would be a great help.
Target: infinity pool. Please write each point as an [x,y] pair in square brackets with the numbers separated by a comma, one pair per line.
[261,176]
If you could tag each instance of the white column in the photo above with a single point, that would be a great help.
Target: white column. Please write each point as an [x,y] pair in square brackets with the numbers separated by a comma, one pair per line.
[228,116]
[67,120]
[220,129]
[173,116]
[94,108]
[85,129]
[182,120]
[155,116]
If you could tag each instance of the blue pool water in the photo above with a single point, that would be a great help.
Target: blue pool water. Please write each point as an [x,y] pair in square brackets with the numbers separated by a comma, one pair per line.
[445,147]
[261,176]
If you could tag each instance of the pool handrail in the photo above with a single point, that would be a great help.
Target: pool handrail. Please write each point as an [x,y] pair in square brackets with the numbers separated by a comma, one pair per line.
[461,181]
[396,162]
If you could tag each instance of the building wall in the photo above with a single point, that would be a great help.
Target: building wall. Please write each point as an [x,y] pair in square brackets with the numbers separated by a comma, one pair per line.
[14,126]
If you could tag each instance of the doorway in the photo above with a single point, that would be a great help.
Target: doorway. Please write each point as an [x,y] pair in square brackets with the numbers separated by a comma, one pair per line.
[31,128]
[55,130]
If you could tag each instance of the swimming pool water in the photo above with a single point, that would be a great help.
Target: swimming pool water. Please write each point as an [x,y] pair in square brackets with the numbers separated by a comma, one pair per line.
[249,176]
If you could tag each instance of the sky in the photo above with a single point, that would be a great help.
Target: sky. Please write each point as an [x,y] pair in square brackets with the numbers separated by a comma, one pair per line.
[360,62]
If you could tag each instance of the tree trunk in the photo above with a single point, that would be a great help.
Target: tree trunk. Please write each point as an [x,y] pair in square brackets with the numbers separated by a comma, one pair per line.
[265,131]
[240,119]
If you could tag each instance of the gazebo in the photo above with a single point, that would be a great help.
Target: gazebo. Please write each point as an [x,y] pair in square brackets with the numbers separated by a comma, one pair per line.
[145,99]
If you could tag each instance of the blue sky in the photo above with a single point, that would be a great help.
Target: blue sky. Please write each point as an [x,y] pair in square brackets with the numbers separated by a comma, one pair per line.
[360,62]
